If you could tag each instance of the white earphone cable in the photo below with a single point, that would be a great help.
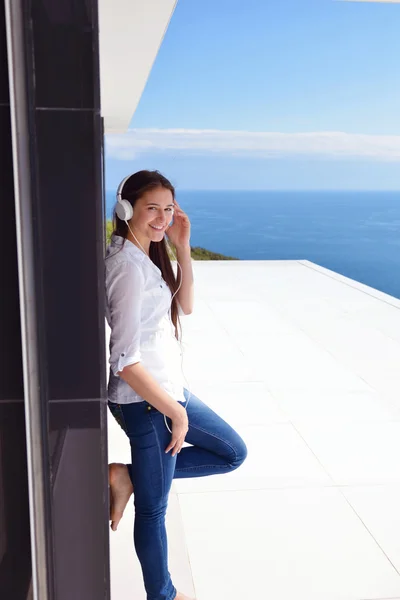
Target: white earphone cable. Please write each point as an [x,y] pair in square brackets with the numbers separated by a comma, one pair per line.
[179,341]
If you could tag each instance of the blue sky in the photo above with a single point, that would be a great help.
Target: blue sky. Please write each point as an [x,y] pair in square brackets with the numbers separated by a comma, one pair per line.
[295,94]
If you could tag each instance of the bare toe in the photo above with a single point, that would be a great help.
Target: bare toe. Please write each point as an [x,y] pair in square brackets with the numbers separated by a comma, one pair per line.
[120,491]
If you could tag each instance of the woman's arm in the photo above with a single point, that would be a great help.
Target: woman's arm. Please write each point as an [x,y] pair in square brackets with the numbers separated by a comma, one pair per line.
[185,296]
[140,380]
[145,385]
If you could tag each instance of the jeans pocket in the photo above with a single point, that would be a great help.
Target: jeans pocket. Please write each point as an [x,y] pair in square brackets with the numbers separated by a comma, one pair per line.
[116,411]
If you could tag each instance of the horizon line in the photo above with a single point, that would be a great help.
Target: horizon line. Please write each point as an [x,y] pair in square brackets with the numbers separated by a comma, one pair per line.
[177,189]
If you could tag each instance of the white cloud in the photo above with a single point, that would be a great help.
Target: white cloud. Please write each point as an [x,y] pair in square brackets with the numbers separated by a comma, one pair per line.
[324,144]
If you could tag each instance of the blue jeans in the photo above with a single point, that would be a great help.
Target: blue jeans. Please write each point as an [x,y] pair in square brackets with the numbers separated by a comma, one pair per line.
[216,448]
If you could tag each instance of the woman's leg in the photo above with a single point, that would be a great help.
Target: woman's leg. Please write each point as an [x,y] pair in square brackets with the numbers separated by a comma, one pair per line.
[151,472]
[216,447]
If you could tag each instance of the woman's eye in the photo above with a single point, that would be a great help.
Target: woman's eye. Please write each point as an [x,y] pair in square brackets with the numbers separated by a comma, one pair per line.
[154,208]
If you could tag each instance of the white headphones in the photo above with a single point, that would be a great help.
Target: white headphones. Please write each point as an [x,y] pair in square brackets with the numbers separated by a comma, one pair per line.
[123,208]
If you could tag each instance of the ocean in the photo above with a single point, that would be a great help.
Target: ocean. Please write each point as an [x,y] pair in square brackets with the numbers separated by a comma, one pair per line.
[356,234]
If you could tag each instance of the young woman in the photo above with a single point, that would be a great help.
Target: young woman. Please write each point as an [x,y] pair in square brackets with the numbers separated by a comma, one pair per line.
[146,392]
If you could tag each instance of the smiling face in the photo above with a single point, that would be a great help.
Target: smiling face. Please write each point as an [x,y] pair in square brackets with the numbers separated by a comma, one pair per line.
[152,214]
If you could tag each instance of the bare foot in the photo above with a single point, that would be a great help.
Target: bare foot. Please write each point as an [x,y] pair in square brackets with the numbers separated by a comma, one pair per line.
[181,596]
[120,491]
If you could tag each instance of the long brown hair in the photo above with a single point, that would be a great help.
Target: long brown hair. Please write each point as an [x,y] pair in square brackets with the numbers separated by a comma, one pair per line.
[134,188]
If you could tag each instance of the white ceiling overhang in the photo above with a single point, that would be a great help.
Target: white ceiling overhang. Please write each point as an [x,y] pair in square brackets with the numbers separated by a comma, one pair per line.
[131,33]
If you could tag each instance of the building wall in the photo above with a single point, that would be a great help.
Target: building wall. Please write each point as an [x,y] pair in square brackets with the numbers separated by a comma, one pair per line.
[65,143]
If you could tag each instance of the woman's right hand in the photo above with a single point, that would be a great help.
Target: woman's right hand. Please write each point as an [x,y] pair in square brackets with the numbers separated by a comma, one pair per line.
[180,427]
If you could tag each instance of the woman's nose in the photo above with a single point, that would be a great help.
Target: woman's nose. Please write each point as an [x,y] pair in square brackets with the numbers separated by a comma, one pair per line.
[164,218]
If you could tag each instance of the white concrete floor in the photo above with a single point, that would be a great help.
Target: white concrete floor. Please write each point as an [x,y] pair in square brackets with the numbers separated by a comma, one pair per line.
[304,363]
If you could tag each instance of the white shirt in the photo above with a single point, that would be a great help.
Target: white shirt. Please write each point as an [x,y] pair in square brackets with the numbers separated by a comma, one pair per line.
[138,304]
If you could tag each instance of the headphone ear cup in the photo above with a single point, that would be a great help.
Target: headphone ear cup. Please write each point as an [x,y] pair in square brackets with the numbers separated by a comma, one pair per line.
[124,210]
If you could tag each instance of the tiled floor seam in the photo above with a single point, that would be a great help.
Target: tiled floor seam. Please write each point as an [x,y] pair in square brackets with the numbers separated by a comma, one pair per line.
[186,544]
[313,453]
[370,533]
[306,333]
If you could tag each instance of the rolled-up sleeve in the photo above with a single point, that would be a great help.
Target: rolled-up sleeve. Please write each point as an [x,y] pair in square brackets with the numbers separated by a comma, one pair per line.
[124,289]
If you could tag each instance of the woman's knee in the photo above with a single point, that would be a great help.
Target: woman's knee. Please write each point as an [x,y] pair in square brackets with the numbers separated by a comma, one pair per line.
[240,454]
[151,510]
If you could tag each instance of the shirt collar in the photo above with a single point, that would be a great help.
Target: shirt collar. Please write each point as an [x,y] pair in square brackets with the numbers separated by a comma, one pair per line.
[117,241]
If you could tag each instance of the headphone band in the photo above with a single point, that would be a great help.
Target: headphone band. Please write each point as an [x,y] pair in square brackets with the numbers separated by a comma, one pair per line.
[121,186]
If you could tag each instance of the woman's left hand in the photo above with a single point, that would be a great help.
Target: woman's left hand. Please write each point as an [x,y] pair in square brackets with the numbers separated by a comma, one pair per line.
[179,232]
